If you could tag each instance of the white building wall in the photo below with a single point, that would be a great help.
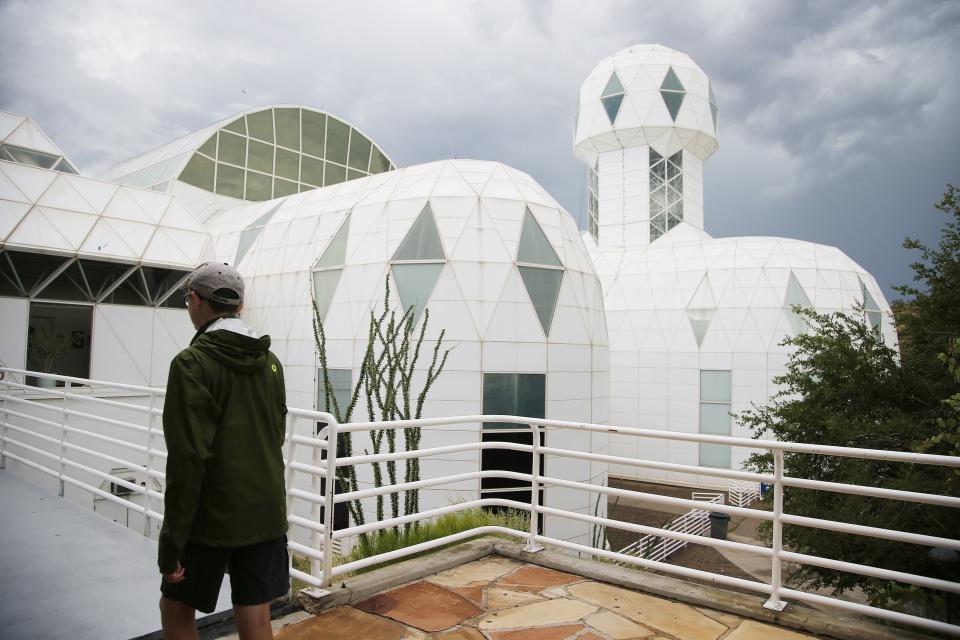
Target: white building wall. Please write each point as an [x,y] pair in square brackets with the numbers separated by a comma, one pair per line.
[13,339]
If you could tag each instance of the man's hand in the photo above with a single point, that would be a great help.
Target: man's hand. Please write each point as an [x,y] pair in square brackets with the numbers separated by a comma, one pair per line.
[176,576]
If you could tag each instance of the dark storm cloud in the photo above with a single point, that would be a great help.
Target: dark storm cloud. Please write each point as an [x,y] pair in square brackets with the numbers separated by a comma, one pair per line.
[837,118]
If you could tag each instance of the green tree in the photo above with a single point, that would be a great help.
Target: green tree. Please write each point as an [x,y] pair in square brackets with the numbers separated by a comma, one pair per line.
[844,386]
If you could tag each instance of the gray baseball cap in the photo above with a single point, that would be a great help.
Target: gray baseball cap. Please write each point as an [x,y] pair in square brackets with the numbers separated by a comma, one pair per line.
[211,277]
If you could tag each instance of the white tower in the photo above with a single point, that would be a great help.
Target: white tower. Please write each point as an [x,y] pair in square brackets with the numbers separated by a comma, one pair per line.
[646,122]
[695,324]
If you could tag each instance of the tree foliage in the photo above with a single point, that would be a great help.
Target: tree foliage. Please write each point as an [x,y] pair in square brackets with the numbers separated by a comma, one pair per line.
[844,386]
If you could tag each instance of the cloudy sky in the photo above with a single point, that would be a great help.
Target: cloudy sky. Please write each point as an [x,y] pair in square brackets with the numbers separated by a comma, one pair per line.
[838,119]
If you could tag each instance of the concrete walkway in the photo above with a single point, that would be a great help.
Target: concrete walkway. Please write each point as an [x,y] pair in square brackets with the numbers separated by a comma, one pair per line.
[71,573]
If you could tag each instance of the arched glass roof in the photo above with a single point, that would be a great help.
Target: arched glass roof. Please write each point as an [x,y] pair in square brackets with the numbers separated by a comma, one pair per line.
[259,155]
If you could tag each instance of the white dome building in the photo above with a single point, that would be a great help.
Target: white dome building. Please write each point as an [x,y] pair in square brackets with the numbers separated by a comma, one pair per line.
[502,269]
[695,323]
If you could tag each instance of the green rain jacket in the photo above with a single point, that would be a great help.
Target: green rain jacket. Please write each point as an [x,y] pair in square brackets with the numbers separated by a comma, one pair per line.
[223,420]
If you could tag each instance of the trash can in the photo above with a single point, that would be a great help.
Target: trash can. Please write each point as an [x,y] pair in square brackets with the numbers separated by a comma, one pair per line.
[718,525]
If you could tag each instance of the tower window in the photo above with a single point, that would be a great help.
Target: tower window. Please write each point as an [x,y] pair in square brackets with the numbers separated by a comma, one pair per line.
[593,204]
[666,192]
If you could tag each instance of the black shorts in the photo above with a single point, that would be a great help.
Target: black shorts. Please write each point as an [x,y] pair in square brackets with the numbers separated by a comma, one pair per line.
[259,573]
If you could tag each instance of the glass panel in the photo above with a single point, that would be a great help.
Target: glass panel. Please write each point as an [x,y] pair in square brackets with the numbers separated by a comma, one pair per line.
[654,157]
[4,154]
[671,82]
[341,383]
[102,275]
[209,148]
[514,394]
[359,151]
[507,460]
[700,322]
[875,318]
[612,106]
[324,286]
[677,158]
[868,302]
[65,167]
[9,285]
[58,339]
[131,291]
[338,133]
[283,187]
[232,149]
[673,100]
[715,455]
[353,174]
[261,157]
[247,238]
[229,180]
[260,125]
[259,187]
[288,127]
[314,132]
[415,283]
[238,126]
[715,114]
[336,252]
[715,386]
[534,246]
[288,164]
[543,285]
[715,418]
[795,293]
[311,170]
[334,173]
[613,86]
[31,157]
[34,268]
[161,281]
[422,241]
[198,172]
[69,285]
[378,161]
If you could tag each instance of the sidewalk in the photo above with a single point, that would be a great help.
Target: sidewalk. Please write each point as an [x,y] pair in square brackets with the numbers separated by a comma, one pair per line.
[73,574]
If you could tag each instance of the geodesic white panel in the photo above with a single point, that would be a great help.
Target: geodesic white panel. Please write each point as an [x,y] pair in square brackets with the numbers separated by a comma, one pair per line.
[30,136]
[62,195]
[121,344]
[31,181]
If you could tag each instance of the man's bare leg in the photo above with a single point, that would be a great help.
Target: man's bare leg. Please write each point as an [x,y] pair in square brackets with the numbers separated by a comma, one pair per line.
[179,620]
[253,621]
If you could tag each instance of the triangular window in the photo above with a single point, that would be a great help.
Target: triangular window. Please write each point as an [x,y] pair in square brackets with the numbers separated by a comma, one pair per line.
[872,309]
[673,92]
[700,309]
[534,247]
[423,240]
[543,286]
[252,231]
[415,283]
[336,252]
[324,286]
[612,96]
[714,108]
[796,296]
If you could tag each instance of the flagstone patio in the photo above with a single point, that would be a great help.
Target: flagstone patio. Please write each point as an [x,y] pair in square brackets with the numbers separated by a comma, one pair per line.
[497,598]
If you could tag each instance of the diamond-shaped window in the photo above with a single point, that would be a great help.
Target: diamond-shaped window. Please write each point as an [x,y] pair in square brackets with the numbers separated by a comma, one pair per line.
[251,232]
[872,309]
[673,92]
[612,96]
[714,108]
[701,308]
[418,262]
[796,296]
[328,269]
[540,268]
[534,248]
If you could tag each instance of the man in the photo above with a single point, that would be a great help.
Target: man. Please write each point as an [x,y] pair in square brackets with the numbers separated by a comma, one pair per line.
[225,506]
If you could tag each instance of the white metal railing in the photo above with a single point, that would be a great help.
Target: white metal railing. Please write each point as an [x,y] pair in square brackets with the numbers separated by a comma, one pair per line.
[22,439]
[742,493]
[695,522]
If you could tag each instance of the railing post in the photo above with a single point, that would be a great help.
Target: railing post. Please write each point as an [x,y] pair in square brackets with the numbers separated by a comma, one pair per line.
[147,500]
[64,418]
[532,545]
[6,417]
[776,579]
[291,449]
[328,495]
[315,485]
